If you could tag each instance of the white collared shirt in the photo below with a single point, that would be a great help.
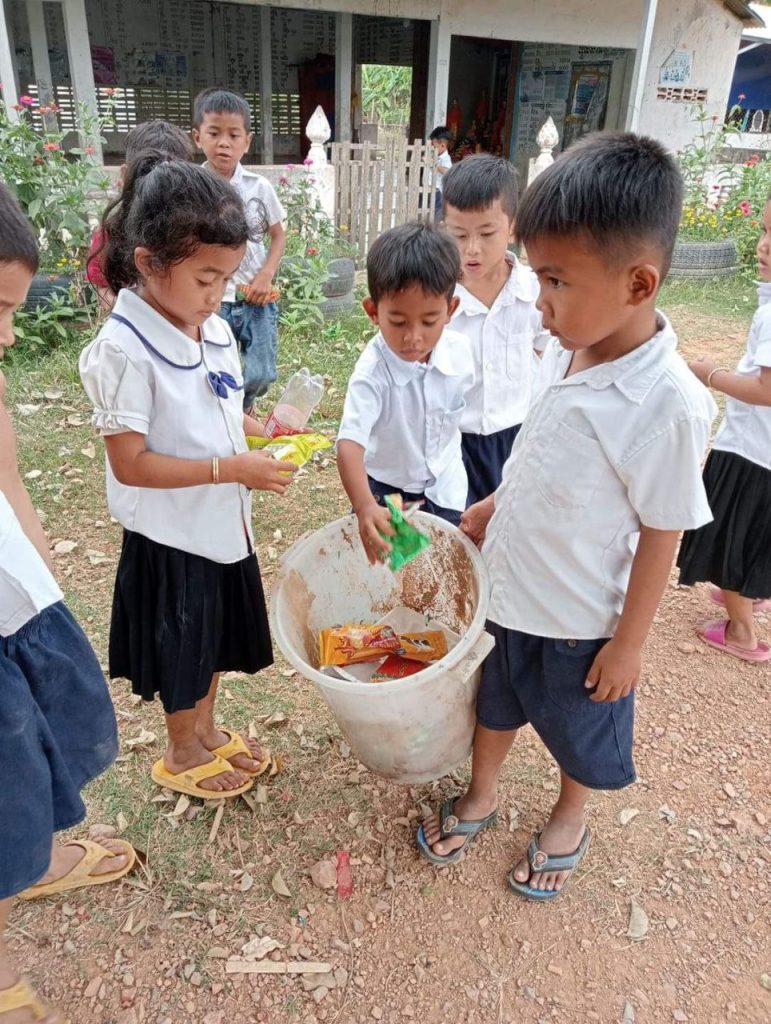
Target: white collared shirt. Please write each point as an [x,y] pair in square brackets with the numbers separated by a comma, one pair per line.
[600,453]
[746,429]
[144,375]
[504,340]
[444,160]
[261,203]
[26,584]
[406,416]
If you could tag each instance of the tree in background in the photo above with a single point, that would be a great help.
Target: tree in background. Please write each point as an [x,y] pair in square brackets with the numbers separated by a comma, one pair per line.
[386,91]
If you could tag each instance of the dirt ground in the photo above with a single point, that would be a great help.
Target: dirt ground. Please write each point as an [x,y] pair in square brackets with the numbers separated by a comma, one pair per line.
[691,865]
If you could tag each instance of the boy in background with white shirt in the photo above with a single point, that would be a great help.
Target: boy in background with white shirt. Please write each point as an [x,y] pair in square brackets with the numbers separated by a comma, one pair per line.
[222,131]
[400,430]
[606,472]
[497,313]
[440,142]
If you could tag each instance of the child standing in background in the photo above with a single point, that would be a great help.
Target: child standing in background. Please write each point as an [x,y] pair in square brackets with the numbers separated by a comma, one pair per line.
[165,380]
[496,312]
[734,551]
[440,142]
[222,131]
[170,143]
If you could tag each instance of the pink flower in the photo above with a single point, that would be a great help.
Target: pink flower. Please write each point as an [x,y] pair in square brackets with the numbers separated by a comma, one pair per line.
[283,180]
[742,97]
[27,101]
[312,251]
[51,147]
[89,151]
[715,118]
[307,162]
[110,92]
[745,208]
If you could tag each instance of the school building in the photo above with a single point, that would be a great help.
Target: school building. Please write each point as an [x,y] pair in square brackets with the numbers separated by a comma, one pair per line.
[493,69]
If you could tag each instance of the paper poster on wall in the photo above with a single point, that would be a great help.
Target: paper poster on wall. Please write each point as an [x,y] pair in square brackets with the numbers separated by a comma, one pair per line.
[531,86]
[587,100]
[677,68]
[103,61]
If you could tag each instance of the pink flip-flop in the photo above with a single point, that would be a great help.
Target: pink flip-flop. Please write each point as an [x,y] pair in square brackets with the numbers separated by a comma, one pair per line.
[713,633]
[759,607]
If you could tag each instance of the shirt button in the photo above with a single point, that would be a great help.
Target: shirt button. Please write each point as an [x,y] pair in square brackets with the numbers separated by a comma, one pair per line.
[554,390]
[572,643]
[488,366]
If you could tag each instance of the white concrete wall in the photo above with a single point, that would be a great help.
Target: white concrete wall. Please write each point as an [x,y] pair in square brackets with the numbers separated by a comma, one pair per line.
[712,33]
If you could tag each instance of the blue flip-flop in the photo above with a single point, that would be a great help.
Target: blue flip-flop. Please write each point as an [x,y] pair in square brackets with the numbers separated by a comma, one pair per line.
[541,862]
[451,825]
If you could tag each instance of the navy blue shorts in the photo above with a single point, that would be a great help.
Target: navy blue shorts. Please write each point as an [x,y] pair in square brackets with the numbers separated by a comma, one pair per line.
[256,331]
[484,456]
[57,732]
[541,681]
[379,491]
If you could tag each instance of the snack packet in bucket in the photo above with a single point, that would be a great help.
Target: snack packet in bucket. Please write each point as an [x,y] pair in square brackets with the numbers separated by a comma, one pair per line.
[354,644]
[297,449]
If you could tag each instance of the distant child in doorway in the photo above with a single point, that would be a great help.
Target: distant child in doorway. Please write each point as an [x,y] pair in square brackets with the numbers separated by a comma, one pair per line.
[222,130]
[440,142]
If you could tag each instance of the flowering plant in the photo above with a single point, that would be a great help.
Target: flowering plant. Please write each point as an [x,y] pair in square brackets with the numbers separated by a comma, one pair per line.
[750,195]
[57,189]
[708,215]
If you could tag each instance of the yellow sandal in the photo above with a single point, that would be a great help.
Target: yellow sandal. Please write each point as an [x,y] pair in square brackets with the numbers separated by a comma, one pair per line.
[188,782]
[21,996]
[235,745]
[80,875]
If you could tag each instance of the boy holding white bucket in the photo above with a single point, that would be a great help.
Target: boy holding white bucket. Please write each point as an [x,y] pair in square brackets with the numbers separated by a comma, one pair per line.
[580,537]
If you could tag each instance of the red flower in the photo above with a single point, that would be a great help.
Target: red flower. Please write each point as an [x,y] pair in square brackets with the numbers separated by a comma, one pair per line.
[27,101]
[38,160]
[745,208]
[715,117]
[312,251]
[51,147]
[89,151]
[110,92]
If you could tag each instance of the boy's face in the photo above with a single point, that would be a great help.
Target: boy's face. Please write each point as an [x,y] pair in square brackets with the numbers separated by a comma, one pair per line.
[482,236]
[411,321]
[15,279]
[583,299]
[224,140]
[764,245]
[440,145]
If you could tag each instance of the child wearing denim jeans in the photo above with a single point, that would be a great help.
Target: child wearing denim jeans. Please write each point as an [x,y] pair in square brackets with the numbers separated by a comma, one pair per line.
[222,131]
[580,537]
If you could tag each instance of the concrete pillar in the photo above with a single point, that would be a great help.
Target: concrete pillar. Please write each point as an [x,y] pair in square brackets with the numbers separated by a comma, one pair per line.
[8,66]
[438,73]
[266,86]
[81,67]
[40,62]
[641,60]
[343,76]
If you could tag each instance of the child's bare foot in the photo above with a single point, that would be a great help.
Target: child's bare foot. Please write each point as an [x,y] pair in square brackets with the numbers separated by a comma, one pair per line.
[561,835]
[741,634]
[214,738]
[466,808]
[182,758]
[64,859]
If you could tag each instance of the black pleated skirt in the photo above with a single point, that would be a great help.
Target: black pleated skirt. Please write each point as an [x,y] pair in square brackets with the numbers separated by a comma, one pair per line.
[734,550]
[178,618]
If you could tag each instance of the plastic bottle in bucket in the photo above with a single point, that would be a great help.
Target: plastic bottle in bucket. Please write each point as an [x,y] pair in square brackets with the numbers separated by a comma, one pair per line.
[302,394]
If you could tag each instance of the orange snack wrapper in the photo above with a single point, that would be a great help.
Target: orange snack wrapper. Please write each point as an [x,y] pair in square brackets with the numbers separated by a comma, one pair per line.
[354,644]
[425,647]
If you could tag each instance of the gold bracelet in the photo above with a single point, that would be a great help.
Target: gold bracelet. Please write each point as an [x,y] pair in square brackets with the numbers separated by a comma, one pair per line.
[215,470]
[718,369]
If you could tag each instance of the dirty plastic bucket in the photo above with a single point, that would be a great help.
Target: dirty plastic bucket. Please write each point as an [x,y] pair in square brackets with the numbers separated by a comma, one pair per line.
[410,730]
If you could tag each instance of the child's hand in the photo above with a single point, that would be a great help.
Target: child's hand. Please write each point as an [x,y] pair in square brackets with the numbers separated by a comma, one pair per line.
[615,672]
[475,520]
[702,367]
[261,472]
[260,289]
[375,520]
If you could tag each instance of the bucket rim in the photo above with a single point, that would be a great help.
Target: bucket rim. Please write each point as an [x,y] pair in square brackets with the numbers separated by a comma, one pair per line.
[466,643]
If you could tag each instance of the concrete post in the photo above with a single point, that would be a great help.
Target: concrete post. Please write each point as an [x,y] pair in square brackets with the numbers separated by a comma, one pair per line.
[343,76]
[440,41]
[7,67]
[266,86]
[319,168]
[547,139]
[81,66]
[40,62]
[641,61]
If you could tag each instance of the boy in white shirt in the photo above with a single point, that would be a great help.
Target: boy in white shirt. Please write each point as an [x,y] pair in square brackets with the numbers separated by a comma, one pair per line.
[496,312]
[222,131]
[440,142]
[400,431]
[606,472]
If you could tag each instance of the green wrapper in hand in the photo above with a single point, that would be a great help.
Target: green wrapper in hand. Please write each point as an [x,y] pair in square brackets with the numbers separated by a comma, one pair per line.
[409,541]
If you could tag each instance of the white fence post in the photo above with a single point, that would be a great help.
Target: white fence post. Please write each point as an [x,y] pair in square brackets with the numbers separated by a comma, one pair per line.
[547,139]
[319,168]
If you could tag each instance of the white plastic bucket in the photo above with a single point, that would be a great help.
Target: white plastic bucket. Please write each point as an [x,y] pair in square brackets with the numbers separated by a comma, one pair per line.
[410,730]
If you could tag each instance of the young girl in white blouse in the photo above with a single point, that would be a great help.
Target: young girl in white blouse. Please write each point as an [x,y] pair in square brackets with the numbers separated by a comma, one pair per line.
[165,381]
[734,551]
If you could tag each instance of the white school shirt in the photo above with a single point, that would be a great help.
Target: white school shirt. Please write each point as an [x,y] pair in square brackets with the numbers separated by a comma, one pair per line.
[406,416]
[144,375]
[746,429]
[444,160]
[260,202]
[504,339]
[26,584]
[600,454]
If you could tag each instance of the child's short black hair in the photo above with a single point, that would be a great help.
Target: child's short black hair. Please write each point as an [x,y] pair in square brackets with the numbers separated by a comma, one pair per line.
[618,189]
[17,239]
[412,254]
[161,136]
[170,208]
[441,134]
[221,101]
[477,181]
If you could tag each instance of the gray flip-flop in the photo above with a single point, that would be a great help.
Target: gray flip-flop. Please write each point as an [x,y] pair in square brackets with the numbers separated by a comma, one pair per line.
[541,862]
[451,825]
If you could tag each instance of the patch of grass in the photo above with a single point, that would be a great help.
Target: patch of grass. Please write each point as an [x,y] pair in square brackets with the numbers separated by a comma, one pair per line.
[719,296]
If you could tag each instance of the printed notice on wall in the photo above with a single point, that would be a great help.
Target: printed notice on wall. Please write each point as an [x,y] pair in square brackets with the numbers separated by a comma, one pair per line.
[677,68]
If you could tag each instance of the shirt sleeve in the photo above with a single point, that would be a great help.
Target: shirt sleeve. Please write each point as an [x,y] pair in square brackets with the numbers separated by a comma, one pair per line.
[763,351]
[363,404]
[121,395]
[94,265]
[664,477]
